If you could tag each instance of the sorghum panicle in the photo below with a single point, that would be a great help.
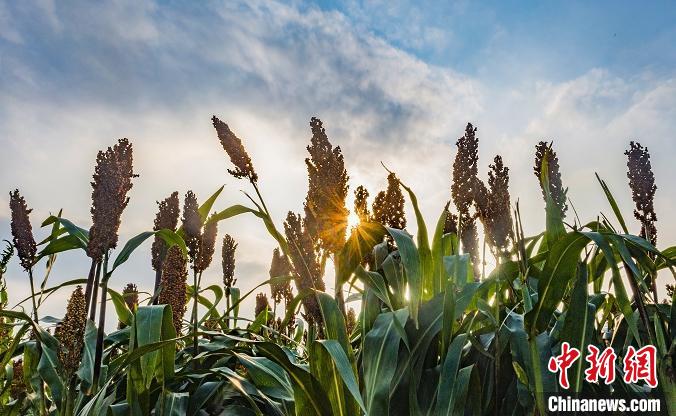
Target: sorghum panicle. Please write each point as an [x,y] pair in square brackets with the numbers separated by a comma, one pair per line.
[325,211]
[262,303]
[451,221]
[305,263]
[18,386]
[207,246]
[174,275]
[350,321]
[388,206]
[642,184]
[556,189]
[497,218]
[112,181]
[22,231]
[467,189]
[235,149]
[130,294]
[166,218]
[228,262]
[279,266]
[70,332]
[192,224]
[361,207]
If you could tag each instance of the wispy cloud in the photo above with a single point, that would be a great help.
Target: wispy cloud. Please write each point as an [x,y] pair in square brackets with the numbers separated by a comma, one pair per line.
[76,77]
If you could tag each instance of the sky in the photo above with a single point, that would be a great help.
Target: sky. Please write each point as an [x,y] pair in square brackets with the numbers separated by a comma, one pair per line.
[393,81]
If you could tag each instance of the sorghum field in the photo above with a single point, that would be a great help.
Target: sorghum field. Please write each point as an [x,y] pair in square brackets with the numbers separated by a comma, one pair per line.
[416,325]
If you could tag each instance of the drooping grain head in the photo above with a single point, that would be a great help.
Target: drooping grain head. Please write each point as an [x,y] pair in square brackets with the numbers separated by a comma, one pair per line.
[305,264]
[235,149]
[361,207]
[325,211]
[166,218]
[192,224]
[279,266]
[70,332]
[228,262]
[642,184]
[388,206]
[207,246]
[112,181]
[544,150]
[22,231]
[174,275]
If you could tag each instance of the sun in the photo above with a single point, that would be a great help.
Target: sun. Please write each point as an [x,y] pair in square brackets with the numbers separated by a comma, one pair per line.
[352,220]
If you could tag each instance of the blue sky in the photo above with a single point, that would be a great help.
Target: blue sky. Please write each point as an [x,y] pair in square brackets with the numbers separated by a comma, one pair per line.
[393,81]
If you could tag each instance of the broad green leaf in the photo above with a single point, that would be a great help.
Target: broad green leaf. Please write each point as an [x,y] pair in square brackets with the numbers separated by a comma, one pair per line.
[205,208]
[379,358]
[123,313]
[559,268]
[412,265]
[448,377]
[424,251]
[175,404]
[361,242]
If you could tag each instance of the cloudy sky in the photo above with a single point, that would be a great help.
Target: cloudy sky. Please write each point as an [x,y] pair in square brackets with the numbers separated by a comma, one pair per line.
[393,81]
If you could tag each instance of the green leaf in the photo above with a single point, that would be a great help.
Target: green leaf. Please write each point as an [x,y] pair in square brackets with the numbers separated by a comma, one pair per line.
[310,398]
[170,237]
[49,368]
[379,358]
[86,370]
[80,233]
[361,242]
[175,404]
[344,367]
[613,203]
[268,376]
[559,268]
[123,313]
[578,326]
[205,208]
[424,252]
[448,377]
[412,265]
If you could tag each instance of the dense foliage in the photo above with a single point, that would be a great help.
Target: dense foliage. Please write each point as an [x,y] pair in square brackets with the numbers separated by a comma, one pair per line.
[434,332]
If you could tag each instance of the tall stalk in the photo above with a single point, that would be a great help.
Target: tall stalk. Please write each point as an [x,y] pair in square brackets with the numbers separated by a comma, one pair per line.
[102,322]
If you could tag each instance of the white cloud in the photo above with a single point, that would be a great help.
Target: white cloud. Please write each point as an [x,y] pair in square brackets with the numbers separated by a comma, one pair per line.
[265,68]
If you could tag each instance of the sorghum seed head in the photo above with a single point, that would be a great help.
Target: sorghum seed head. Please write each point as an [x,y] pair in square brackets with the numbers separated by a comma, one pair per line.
[174,275]
[464,187]
[557,191]
[279,267]
[130,294]
[451,221]
[361,207]
[207,246]
[192,224]
[261,303]
[496,215]
[70,332]
[235,149]
[351,321]
[325,211]
[228,262]
[305,264]
[388,206]
[166,218]
[22,231]
[112,181]
[18,386]
[642,184]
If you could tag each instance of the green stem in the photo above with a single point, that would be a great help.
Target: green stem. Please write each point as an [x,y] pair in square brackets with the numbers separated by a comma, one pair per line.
[196,279]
